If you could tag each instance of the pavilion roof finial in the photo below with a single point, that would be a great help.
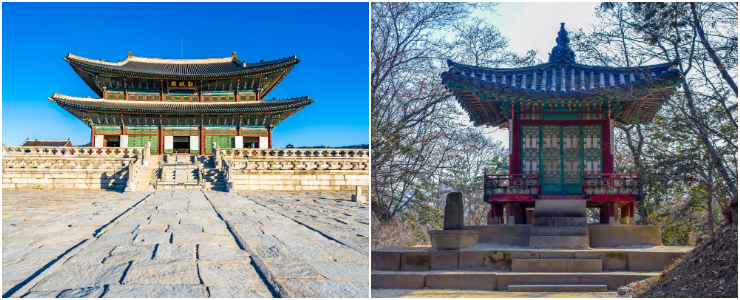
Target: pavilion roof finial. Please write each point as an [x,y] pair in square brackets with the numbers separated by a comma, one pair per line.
[562,52]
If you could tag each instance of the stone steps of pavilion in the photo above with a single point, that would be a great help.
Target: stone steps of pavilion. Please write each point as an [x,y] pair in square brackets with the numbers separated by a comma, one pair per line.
[507,281]
[559,223]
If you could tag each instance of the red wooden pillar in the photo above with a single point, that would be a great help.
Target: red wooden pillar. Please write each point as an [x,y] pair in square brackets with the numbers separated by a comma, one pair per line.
[510,208]
[515,145]
[202,139]
[607,156]
[161,139]
[612,207]
[624,214]
[269,137]
[492,215]
[92,136]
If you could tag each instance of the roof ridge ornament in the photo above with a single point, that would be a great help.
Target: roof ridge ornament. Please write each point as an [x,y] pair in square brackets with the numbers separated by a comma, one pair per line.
[129,54]
[562,53]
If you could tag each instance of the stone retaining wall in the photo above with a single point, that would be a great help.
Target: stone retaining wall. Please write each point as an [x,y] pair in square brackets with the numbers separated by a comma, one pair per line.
[295,169]
[82,168]
[299,180]
[84,179]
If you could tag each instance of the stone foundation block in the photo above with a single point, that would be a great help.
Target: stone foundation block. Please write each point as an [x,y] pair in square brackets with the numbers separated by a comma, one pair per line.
[396,281]
[443,259]
[610,260]
[651,261]
[556,265]
[503,280]
[385,261]
[461,281]
[415,261]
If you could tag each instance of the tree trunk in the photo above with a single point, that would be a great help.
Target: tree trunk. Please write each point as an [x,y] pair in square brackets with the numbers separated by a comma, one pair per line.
[705,139]
[726,76]
[636,151]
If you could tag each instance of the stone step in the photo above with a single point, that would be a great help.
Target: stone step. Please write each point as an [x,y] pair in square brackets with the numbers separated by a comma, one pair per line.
[556,265]
[559,242]
[560,208]
[559,231]
[568,288]
[560,221]
[490,280]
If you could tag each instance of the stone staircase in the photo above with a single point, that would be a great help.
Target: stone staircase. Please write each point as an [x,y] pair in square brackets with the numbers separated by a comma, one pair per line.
[559,224]
[180,172]
[517,269]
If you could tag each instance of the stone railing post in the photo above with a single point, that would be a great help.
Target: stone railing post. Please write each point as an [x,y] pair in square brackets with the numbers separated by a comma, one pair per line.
[147,154]
[217,156]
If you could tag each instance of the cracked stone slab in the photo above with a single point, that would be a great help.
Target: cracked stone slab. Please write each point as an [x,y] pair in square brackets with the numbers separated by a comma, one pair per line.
[129,253]
[19,271]
[339,289]
[162,272]
[75,277]
[220,254]
[155,291]
[288,268]
[91,292]
[152,238]
[193,238]
[237,276]
[175,251]
[42,294]
[341,271]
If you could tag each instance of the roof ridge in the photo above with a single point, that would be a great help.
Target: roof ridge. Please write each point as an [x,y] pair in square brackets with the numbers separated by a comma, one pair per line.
[132,58]
[60,96]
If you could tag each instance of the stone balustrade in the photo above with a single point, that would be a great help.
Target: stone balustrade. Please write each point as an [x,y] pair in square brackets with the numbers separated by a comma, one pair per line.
[295,169]
[107,152]
[232,153]
[71,167]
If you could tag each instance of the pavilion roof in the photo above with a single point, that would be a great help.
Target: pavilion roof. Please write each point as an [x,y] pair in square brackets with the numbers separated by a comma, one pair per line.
[486,92]
[47,143]
[163,68]
[122,106]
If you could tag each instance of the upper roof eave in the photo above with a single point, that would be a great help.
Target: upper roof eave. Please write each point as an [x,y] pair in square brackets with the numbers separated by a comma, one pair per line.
[237,67]
[181,107]
[548,65]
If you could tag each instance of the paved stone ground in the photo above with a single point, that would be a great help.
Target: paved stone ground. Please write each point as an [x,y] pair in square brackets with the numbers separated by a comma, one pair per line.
[431,293]
[59,243]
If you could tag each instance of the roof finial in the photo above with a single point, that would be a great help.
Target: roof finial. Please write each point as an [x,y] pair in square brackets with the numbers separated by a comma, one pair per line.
[129,54]
[233,55]
[562,52]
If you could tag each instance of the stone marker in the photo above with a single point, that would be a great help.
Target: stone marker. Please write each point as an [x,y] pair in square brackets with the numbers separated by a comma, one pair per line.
[454,212]
[358,197]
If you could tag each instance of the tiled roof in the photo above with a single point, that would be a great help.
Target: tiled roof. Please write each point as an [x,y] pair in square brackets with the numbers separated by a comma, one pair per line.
[554,80]
[261,106]
[181,67]
[483,90]
[47,143]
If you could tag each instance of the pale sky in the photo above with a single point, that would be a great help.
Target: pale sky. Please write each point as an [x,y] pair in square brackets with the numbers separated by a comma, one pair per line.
[535,26]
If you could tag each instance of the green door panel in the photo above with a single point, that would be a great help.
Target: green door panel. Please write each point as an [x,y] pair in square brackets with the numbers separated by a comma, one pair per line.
[561,154]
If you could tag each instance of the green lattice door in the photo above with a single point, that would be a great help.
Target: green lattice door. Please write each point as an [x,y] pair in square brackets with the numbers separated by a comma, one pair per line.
[551,177]
[561,154]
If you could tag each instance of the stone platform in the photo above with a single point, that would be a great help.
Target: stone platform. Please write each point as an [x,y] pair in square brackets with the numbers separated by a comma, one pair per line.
[62,243]
[494,267]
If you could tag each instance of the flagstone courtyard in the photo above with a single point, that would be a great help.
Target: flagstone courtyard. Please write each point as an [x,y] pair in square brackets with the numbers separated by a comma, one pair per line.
[183,243]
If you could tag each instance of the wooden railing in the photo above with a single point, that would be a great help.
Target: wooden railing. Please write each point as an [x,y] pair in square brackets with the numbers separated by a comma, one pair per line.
[611,184]
[512,184]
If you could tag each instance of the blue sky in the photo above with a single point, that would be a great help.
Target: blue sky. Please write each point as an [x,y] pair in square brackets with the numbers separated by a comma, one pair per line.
[331,39]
